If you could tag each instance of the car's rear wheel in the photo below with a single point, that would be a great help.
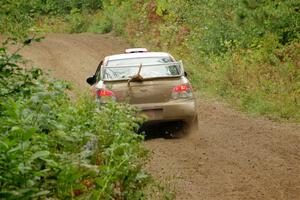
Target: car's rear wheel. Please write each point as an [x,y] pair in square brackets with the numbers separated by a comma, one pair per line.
[187,127]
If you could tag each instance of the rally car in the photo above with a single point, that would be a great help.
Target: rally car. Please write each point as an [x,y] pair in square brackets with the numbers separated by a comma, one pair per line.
[152,81]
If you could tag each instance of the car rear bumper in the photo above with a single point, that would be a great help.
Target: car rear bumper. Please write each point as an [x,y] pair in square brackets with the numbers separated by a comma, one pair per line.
[184,110]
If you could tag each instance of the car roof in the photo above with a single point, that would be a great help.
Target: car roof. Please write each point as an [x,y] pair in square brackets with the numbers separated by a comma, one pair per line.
[137,55]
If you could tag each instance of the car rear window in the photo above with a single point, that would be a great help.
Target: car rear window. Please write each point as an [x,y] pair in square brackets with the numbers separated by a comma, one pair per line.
[152,67]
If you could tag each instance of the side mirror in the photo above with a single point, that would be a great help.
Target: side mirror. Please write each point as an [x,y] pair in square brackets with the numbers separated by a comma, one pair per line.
[91,80]
[185,74]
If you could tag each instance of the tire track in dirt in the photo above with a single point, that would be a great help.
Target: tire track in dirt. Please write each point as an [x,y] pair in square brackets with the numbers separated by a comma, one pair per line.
[232,157]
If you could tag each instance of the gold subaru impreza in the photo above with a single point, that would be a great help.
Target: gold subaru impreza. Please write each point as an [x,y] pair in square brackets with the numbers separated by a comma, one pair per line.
[152,81]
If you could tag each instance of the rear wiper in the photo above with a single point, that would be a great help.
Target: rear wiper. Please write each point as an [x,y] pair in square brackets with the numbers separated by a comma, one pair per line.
[137,77]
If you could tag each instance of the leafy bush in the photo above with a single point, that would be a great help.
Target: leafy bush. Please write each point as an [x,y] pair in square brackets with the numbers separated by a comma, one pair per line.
[22,16]
[100,24]
[78,21]
[16,18]
[118,14]
[52,146]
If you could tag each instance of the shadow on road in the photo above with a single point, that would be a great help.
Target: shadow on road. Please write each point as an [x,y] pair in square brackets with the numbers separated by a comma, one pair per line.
[166,130]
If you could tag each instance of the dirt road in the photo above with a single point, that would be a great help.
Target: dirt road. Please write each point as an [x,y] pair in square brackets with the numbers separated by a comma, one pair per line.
[232,157]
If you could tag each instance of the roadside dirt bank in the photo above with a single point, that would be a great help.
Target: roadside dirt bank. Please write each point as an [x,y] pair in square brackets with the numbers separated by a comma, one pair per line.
[233,156]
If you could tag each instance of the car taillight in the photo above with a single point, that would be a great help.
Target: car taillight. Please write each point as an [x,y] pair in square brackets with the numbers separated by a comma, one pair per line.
[105,95]
[182,91]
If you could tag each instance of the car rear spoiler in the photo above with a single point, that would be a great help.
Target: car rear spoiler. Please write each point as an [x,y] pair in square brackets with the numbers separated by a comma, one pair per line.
[146,65]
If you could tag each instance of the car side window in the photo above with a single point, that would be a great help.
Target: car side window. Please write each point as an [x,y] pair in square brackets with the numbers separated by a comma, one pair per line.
[98,71]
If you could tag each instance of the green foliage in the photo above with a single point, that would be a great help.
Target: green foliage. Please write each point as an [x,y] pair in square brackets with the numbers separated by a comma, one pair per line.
[18,17]
[118,12]
[258,18]
[78,21]
[58,148]
[100,24]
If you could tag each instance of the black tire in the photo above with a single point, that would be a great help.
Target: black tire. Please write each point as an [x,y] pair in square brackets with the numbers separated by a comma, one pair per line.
[189,126]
